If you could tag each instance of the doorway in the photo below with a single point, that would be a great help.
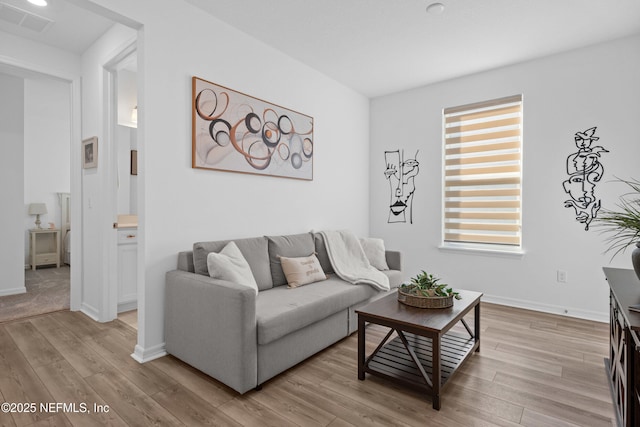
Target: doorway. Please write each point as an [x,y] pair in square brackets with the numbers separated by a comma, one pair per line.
[122,107]
[39,171]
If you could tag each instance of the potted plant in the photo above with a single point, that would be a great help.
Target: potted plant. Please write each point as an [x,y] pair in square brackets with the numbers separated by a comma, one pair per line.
[424,291]
[623,225]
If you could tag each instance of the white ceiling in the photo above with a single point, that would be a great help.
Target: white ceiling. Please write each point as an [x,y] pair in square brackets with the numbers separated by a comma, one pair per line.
[382,46]
[73,29]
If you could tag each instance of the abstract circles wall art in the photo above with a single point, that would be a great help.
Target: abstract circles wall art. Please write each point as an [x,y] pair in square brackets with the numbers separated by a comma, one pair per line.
[235,132]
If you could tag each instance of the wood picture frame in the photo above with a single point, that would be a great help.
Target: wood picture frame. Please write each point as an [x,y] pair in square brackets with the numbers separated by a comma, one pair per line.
[235,132]
[90,153]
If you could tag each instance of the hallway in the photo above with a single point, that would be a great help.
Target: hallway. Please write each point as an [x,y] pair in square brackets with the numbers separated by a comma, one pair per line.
[47,291]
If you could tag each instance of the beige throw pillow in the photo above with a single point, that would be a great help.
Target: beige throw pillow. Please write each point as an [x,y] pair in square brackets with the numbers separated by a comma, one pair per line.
[302,271]
[230,265]
[375,252]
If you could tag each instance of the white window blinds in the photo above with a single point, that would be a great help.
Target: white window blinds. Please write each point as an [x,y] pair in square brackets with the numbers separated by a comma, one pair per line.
[482,173]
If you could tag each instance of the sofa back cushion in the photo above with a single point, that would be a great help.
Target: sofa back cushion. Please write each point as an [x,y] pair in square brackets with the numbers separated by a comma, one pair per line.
[185,261]
[292,246]
[321,253]
[254,250]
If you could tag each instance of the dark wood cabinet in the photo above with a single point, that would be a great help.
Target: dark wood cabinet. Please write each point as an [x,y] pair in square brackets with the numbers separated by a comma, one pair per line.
[623,364]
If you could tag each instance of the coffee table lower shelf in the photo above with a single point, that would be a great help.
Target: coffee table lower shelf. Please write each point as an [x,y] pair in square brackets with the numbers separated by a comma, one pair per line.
[394,362]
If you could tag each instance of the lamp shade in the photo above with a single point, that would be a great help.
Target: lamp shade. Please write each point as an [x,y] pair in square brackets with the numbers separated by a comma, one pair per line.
[37,209]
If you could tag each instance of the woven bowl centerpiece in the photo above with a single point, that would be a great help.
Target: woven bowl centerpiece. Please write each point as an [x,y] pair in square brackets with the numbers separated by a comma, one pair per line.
[422,301]
[424,291]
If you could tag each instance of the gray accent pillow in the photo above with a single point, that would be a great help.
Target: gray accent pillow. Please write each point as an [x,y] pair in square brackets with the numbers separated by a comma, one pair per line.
[254,250]
[292,246]
[321,253]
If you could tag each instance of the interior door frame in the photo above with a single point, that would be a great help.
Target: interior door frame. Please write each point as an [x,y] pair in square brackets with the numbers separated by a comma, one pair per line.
[110,294]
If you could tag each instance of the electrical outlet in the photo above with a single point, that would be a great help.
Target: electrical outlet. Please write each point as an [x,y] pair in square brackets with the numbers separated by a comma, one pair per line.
[561,276]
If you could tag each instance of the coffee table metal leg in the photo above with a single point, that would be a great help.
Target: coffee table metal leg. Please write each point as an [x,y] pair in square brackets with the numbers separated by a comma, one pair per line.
[361,342]
[437,375]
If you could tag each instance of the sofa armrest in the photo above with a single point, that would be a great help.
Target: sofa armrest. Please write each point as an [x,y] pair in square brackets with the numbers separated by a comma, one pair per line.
[211,325]
[394,260]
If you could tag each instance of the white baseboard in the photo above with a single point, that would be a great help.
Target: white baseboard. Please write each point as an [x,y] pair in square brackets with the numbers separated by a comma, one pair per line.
[142,355]
[127,306]
[13,291]
[548,308]
[90,311]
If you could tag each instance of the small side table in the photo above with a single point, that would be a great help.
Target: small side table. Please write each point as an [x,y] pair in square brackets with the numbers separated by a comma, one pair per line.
[44,247]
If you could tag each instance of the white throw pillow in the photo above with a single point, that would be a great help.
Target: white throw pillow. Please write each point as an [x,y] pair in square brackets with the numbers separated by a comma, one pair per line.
[302,271]
[230,265]
[375,252]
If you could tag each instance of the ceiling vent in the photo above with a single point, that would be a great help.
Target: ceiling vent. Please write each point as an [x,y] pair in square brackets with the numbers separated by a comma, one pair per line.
[23,18]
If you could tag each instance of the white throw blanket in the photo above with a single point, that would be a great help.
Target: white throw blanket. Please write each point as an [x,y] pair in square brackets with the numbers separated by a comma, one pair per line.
[350,262]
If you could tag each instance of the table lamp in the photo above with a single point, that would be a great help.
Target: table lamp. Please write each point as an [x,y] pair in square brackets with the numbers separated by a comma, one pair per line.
[37,209]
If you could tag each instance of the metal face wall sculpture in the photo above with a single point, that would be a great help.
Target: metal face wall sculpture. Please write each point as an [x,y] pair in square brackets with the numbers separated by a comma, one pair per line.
[585,171]
[400,173]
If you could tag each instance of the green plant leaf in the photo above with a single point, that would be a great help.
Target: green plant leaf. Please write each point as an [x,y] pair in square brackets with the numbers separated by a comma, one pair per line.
[622,226]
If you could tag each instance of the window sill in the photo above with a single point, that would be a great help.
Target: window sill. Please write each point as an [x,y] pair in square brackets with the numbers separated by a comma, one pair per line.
[507,253]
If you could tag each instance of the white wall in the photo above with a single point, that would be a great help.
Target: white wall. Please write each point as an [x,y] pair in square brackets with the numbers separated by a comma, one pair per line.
[133,179]
[98,238]
[47,159]
[127,97]
[563,94]
[11,184]
[123,139]
[180,205]
[37,57]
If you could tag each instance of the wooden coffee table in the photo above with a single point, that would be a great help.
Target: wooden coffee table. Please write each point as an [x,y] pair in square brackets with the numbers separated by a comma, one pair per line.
[422,333]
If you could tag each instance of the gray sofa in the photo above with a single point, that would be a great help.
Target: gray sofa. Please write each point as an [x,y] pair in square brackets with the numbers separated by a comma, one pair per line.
[242,339]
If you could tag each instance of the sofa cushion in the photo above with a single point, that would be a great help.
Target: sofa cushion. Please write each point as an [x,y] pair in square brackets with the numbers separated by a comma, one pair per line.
[295,245]
[375,252]
[254,250]
[281,310]
[302,270]
[321,252]
[230,265]
[395,277]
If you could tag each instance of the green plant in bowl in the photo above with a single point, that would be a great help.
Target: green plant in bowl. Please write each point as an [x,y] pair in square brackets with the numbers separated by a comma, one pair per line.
[426,285]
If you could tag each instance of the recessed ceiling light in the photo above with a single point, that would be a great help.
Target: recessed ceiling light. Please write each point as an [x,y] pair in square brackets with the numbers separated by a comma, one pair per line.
[38,2]
[435,8]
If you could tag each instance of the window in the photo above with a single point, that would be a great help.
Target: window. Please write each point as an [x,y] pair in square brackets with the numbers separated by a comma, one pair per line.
[483,174]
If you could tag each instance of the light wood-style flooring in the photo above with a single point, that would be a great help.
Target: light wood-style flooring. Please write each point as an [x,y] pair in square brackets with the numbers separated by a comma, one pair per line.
[533,369]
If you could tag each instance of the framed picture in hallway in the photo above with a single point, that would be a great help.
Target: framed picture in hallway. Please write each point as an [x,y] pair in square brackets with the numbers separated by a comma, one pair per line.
[235,132]
[90,153]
